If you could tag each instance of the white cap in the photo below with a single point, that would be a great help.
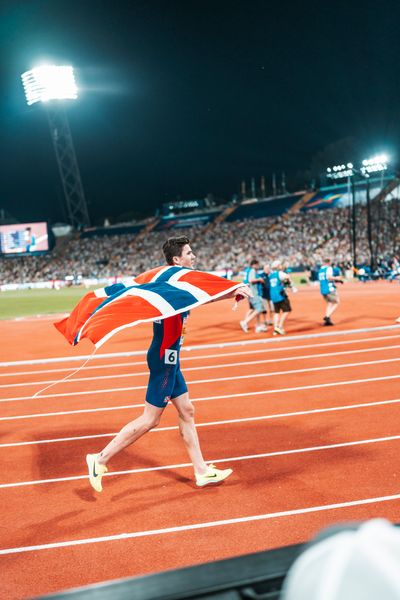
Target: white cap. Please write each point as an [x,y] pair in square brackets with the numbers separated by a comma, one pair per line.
[276,264]
[350,565]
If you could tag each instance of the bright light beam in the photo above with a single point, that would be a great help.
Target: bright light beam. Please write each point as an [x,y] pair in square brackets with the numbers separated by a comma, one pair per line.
[49,82]
[375,164]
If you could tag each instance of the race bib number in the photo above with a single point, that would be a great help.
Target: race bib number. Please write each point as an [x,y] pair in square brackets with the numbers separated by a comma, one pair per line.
[171,357]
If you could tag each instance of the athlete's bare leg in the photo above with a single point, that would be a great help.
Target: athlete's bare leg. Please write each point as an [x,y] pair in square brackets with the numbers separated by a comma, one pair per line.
[188,431]
[131,432]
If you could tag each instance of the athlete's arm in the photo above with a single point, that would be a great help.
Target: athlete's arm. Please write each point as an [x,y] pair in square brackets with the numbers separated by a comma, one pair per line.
[239,294]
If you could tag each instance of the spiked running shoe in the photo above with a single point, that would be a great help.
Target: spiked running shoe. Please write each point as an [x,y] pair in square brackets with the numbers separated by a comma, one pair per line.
[96,471]
[212,475]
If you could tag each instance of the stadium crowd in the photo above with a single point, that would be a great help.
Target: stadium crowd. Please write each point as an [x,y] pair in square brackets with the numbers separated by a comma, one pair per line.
[299,239]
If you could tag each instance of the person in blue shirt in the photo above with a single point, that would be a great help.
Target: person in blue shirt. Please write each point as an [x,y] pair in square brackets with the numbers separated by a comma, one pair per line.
[29,239]
[327,284]
[256,306]
[266,294]
[279,281]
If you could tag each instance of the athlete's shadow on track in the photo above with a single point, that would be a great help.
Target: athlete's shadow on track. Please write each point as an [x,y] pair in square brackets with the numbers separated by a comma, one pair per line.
[251,439]
[66,459]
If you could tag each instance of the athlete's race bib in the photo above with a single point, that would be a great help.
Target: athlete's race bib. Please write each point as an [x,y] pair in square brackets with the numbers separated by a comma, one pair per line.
[171,357]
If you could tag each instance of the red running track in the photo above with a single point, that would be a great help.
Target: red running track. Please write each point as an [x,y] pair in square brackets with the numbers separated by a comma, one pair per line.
[309,423]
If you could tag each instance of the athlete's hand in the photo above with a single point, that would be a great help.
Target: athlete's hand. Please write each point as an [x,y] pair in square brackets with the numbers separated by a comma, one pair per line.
[242,293]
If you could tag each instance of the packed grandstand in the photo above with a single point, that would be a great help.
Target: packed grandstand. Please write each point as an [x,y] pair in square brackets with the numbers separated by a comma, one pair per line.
[300,229]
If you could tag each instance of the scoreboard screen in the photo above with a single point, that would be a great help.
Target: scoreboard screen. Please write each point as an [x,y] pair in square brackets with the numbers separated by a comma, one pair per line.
[24,238]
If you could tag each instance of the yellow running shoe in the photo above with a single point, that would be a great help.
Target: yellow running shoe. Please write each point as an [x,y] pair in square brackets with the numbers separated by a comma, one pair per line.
[212,475]
[96,471]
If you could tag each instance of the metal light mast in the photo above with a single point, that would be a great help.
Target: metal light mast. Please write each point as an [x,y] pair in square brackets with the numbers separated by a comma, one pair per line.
[50,84]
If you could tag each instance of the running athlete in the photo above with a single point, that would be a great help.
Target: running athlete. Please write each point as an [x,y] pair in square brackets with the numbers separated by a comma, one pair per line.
[166,383]
[278,280]
[327,287]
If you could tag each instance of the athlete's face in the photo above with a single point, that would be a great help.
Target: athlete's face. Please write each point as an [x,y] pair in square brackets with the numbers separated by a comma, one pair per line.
[187,258]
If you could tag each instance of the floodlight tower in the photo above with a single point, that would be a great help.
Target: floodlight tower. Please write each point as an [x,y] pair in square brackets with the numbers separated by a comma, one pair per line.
[347,171]
[51,85]
[376,164]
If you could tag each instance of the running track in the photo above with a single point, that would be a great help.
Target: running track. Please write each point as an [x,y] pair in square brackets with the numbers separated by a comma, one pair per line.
[309,423]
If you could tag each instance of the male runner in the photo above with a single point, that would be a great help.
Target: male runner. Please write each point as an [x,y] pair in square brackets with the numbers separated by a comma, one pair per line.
[166,383]
[327,286]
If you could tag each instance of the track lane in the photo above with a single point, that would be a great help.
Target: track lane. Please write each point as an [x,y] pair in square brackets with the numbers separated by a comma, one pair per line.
[314,360]
[257,374]
[130,557]
[380,380]
[252,413]
[160,499]
[66,458]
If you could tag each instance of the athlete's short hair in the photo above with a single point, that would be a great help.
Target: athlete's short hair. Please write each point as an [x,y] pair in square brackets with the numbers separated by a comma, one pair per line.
[173,247]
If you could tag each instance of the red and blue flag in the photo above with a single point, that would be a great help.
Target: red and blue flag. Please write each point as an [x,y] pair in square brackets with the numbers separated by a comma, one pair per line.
[157,294]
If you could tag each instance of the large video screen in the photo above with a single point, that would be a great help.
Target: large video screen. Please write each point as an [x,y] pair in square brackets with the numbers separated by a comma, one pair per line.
[24,238]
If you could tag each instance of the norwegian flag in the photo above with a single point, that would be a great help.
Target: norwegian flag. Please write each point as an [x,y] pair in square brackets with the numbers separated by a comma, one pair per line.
[157,294]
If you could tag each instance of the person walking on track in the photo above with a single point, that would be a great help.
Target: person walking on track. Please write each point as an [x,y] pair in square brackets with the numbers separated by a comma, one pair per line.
[166,383]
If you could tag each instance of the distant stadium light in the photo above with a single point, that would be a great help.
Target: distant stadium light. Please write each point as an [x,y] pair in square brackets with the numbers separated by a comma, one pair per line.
[49,82]
[340,171]
[376,164]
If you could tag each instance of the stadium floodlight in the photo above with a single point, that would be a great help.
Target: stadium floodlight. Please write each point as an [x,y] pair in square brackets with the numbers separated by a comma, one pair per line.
[49,82]
[340,171]
[376,164]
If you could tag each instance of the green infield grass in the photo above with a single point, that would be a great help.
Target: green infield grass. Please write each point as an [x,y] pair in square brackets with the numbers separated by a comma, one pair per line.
[24,303]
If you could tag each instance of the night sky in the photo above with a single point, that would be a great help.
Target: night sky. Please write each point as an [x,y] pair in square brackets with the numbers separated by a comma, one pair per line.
[185,98]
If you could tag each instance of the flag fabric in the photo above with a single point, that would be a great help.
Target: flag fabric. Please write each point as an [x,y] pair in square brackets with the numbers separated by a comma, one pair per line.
[157,294]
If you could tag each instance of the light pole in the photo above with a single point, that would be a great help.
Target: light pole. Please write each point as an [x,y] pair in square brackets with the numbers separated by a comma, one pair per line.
[376,164]
[51,85]
[346,171]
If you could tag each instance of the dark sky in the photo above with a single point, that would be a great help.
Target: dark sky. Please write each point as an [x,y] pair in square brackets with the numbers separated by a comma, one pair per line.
[188,97]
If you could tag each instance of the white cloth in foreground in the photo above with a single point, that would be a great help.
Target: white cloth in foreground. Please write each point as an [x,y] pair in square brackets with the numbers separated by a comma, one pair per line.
[363,564]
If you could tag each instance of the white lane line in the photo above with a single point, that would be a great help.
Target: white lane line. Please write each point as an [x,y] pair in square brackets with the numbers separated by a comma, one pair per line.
[69,369]
[205,525]
[214,461]
[204,346]
[213,423]
[214,380]
[208,367]
[201,399]
[248,393]
[185,359]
